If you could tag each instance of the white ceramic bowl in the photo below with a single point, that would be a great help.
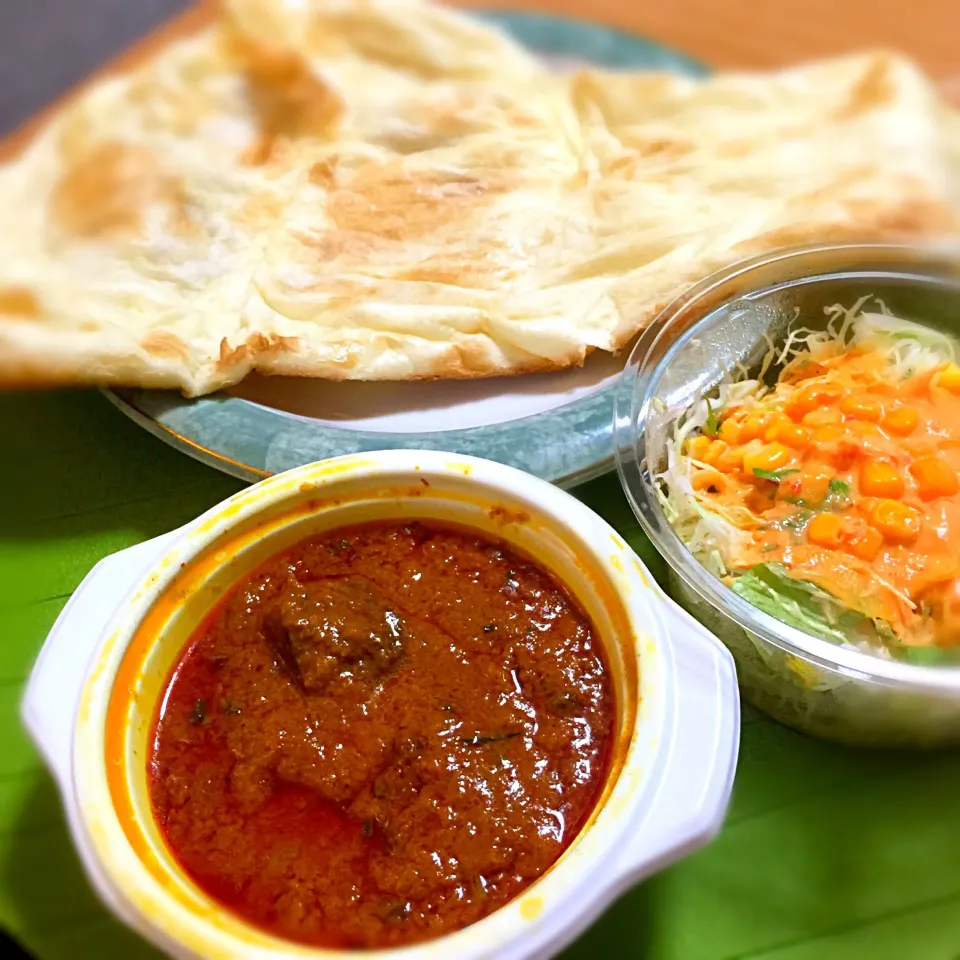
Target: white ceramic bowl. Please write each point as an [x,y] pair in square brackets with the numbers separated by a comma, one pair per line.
[93,692]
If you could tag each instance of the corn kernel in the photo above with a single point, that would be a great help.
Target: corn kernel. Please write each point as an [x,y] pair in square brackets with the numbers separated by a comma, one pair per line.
[755,426]
[896,521]
[934,478]
[729,431]
[789,434]
[822,417]
[901,421]
[713,453]
[777,420]
[696,447]
[828,434]
[811,397]
[865,544]
[826,530]
[949,378]
[878,478]
[859,407]
[772,456]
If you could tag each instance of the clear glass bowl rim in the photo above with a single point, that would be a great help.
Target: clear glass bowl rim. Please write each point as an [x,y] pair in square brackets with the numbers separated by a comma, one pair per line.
[792,641]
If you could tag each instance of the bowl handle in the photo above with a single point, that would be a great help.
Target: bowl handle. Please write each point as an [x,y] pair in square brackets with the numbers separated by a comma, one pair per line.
[689,807]
[52,693]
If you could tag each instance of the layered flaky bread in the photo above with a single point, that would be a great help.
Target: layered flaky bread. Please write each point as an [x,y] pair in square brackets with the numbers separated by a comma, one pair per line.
[385,190]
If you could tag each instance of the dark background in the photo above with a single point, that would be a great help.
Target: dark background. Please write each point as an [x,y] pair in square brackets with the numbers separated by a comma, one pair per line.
[46,46]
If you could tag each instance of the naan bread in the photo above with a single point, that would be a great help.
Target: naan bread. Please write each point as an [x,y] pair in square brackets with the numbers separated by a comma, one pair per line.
[384,190]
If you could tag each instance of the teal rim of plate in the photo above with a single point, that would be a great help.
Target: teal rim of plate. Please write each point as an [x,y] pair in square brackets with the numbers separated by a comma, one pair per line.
[568,444]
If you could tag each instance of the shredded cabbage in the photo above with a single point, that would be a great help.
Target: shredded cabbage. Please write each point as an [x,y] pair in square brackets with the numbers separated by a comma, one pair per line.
[713,536]
[719,536]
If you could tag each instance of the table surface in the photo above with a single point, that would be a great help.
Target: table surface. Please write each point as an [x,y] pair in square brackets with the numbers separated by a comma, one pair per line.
[827,853]
[769,33]
[48,45]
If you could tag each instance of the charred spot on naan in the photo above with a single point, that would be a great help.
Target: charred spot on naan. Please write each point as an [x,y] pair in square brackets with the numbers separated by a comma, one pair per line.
[341,362]
[877,88]
[480,268]
[290,100]
[163,343]
[108,192]
[387,202]
[256,345]
[19,303]
[384,207]
[474,359]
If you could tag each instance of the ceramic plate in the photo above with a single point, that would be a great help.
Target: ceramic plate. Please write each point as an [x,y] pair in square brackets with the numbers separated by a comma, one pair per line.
[557,426]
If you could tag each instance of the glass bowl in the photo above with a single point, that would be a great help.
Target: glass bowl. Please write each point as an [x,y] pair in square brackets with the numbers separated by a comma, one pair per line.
[808,683]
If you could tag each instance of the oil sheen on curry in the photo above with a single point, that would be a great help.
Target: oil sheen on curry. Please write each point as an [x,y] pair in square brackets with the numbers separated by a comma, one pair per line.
[382,735]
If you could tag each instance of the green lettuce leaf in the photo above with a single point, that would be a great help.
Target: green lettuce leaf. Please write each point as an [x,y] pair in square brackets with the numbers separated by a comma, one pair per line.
[712,425]
[775,475]
[931,656]
[770,588]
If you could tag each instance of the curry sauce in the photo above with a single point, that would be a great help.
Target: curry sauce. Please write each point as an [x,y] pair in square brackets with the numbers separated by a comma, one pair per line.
[382,735]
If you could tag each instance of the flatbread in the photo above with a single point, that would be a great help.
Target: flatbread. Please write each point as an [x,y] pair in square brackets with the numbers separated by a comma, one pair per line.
[384,190]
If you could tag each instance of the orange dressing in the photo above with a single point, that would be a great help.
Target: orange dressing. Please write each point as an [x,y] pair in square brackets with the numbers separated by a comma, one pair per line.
[852,476]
